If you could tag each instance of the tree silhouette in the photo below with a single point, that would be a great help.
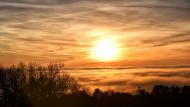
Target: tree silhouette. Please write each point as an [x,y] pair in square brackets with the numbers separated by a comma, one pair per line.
[34,85]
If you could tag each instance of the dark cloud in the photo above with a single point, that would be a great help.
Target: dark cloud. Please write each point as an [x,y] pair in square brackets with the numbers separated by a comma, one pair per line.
[185,74]
[39,1]
[30,39]
[16,6]
[158,7]
[112,83]
[87,79]
[5,34]
[183,37]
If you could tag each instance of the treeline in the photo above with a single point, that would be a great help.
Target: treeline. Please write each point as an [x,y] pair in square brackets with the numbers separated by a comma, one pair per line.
[34,85]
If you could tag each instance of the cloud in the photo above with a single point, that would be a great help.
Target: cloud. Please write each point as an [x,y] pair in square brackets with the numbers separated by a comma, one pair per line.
[168,40]
[21,6]
[129,79]
[68,28]
[158,7]
[184,74]
[38,1]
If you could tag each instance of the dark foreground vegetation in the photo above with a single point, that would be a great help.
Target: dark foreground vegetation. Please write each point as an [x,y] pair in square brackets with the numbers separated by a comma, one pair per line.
[34,85]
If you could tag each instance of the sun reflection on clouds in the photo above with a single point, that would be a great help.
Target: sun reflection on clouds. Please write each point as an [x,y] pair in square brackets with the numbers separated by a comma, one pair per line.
[68,30]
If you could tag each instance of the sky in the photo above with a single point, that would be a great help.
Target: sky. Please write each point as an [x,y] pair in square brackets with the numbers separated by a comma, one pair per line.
[147,32]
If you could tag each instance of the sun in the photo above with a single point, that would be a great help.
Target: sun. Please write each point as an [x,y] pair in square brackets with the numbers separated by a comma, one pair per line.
[105,50]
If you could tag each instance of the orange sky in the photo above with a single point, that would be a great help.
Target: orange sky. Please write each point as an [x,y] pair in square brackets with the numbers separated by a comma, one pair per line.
[147,32]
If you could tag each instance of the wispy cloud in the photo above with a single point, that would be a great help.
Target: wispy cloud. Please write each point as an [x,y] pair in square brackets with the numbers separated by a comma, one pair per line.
[68,28]
[168,40]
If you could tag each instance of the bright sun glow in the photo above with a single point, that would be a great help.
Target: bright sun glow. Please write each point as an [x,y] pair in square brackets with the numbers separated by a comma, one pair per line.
[105,50]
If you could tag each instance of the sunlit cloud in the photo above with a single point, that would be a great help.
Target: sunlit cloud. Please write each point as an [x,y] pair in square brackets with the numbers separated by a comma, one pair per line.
[65,30]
